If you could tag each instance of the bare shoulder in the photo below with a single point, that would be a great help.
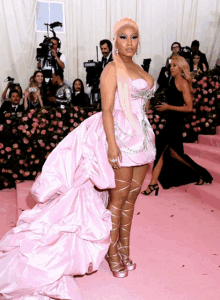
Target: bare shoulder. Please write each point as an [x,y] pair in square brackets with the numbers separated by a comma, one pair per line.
[109,72]
[184,86]
[146,76]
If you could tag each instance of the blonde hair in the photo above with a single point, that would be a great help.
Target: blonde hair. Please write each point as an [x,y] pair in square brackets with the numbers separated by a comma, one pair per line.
[123,80]
[184,66]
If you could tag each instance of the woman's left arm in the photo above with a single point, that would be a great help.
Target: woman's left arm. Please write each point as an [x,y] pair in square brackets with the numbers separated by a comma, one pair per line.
[204,67]
[187,96]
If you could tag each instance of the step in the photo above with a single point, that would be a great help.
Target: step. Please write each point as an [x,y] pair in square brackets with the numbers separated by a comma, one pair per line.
[207,193]
[24,198]
[211,140]
[8,210]
[218,130]
[210,166]
[207,152]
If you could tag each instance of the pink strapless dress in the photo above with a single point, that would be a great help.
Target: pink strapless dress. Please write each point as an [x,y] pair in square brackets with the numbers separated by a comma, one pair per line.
[70,226]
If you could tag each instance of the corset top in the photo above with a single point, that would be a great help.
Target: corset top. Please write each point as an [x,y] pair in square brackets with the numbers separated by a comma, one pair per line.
[140,93]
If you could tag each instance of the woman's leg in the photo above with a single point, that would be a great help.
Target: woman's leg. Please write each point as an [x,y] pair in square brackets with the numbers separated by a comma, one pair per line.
[118,196]
[139,174]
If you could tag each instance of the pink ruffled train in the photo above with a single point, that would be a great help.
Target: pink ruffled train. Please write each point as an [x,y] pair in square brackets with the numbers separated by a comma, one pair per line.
[70,226]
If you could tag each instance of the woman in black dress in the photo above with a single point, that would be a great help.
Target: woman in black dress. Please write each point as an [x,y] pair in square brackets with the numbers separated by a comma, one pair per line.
[172,167]
[79,97]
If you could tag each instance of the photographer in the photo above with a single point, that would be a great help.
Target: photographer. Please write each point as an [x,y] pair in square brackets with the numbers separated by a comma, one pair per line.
[106,49]
[11,86]
[57,61]
[11,108]
[63,93]
[175,48]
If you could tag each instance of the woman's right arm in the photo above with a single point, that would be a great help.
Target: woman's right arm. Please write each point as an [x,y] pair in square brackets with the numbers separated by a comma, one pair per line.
[108,87]
[25,99]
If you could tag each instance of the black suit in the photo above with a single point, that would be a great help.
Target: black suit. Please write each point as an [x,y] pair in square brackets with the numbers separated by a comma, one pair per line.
[7,107]
[109,59]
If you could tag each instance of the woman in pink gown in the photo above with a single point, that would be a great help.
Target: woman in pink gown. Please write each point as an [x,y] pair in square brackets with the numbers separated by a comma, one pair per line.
[77,220]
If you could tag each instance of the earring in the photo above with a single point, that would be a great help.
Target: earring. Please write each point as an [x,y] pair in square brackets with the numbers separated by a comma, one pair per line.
[116,51]
[137,52]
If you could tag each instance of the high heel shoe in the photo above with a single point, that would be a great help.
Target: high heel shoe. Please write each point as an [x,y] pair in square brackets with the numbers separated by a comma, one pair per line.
[117,271]
[152,187]
[128,263]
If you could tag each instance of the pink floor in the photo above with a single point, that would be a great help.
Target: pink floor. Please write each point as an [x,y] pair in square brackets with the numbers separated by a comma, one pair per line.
[175,239]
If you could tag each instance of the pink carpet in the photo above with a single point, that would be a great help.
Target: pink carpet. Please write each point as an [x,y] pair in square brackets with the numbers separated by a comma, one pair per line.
[175,239]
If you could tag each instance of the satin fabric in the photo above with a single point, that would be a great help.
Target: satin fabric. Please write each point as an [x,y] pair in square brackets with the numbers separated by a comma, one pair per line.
[69,227]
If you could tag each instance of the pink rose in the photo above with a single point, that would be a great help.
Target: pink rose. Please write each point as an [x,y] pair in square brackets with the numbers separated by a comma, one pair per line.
[29,115]
[71,128]
[157,132]
[195,129]
[63,111]
[201,108]
[52,145]
[14,130]
[194,110]
[59,131]
[5,183]
[1,126]
[217,85]
[213,107]
[194,80]
[44,111]
[35,120]
[42,145]
[81,119]
[34,173]
[33,156]
[161,126]
[71,120]
[21,161]
[213,83]
[196,100]
[25,140]
[21,171]
[8,149]
[29,149]
[205,92]
[2,151]
[203,120]
[204,85]
[58,115]
[71,115]
[193,123]
[55,137]
[60,124]
[214,115]
[76,108]
[82,111]
[31,162]
[15,176]
[184,134]
[211,102]
[197,121]
[205,100]
[51,129]
[18,151]
[26,173]
[198,128]
[32,111]
[55,123]
[1,146]
[210,120]
[26,165]
[154,126]
[21,127]
[150,116]
[94,112]
[75,124]
[47,147]
[43,131]
[36,161]
[199,96]
[51,116]
[187,126]
[3,170]
[89,114]
[156,120]
[25,118]
[210,91]
[194,117]
[207,124]
[150,111]
[8,121]
[194,91]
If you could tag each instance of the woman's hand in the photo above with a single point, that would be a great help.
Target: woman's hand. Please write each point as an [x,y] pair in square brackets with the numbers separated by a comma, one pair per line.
[113,154]
[162,107]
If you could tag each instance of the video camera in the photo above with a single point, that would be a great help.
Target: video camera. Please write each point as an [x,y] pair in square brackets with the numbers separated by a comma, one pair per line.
[93,73]
[44,52]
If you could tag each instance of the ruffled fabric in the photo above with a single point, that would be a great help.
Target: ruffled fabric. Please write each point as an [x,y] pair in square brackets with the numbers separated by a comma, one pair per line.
[70,226]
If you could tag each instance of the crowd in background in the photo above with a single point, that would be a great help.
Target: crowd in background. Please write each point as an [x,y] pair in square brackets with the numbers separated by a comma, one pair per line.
[55,92]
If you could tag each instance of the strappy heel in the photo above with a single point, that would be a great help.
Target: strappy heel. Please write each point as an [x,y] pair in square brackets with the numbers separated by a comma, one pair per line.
[128,263]
[152,187]
[118,269]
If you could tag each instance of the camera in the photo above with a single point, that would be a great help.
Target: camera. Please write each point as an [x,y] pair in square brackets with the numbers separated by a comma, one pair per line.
[44,52]
[146,64]
[12,84]
[93,73]
[186,52]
